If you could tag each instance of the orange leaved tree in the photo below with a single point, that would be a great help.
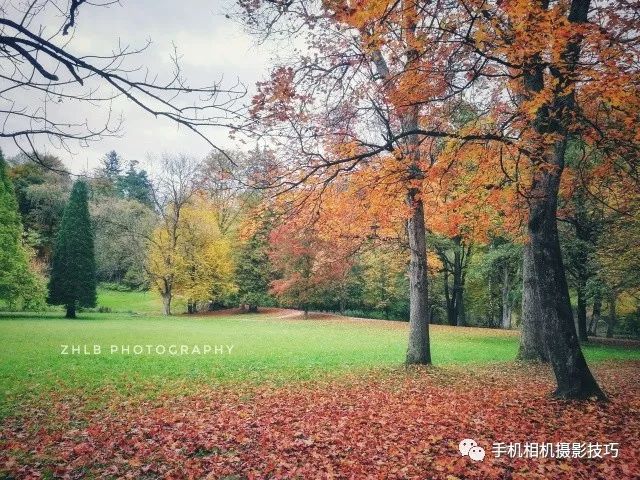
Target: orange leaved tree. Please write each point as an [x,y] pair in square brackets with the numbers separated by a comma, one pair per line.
[384,79]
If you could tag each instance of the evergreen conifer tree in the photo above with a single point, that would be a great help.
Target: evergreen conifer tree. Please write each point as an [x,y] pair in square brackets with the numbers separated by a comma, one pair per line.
[253,270]
[73,270]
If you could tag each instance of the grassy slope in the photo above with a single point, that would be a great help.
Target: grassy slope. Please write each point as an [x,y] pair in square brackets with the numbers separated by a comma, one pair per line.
[265,349]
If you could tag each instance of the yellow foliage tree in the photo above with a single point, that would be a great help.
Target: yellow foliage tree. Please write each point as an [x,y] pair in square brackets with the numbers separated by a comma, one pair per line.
[189,257]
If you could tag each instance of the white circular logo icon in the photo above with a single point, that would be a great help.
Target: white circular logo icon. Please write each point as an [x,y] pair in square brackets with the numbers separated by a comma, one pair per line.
[476,453]
[469,447]
[465,445]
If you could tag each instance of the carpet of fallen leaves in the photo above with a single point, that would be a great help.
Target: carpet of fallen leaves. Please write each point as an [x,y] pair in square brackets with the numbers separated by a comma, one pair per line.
[389,424]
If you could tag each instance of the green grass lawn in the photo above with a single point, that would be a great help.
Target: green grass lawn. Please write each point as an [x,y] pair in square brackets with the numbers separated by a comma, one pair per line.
[265,349]
[134,301]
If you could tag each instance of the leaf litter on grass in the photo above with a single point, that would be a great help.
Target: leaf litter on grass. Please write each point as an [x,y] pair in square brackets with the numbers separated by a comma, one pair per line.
[395,424]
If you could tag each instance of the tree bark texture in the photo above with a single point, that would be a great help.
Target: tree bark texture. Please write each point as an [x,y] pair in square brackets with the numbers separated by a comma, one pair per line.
[559,336]
[418,351]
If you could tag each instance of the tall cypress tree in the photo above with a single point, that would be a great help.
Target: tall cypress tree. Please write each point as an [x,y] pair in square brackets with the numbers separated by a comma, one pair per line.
[73,269]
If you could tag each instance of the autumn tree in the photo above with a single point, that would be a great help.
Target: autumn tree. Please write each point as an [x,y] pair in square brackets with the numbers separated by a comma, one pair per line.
[372,103]
[188,255]
[204,266]
[525,56]
[306,264]
[552,101]
[297,279]
[314,243]
[173,190]
[555,59]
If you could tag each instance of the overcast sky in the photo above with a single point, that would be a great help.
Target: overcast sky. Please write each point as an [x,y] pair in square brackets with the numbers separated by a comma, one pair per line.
[212,46]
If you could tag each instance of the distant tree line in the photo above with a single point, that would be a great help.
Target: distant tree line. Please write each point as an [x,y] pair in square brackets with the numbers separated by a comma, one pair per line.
[201,231]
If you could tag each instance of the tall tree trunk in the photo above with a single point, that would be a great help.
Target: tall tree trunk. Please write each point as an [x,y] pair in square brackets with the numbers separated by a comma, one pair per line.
[573,377]
[166,303]
[613,319]
[418,351]
[551,292]
[461,262]
[582,312]
[71,311]
[456,282]
[532,347]
[449,299]
[595,314]
[461,318]
[506,305]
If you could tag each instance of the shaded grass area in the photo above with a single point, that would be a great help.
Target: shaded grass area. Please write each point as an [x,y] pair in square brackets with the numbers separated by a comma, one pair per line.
[264,349]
